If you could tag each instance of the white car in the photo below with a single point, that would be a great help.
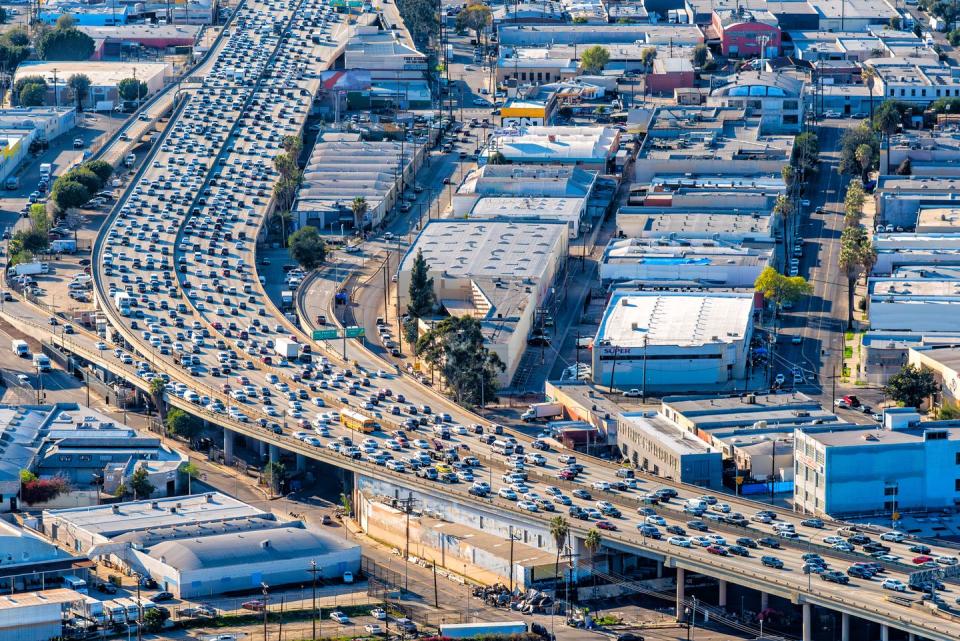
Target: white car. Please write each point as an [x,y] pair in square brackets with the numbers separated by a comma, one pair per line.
[529,506]
[373,628]
[600,485]
[894,584]
[946,560]
[340,617]
[893,535]
[379,614]
[679,541]
[655,520]
[507,493]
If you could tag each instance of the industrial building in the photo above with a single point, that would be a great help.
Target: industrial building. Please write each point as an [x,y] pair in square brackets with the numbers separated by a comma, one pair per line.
[342,167]
[83,446]
[104,77]
[918,82]
[918,304]
[29,562]
[656,445]
[20,127]
[944,361]
[533,181]
[674,341]
[746,32]
[754,431]
[505,273]
[115,41]
[585,147]
[569,211]
[776,99]
[36,616]
[752,227]
[719,140]
[930,152]
[678,262]
[904,465]
[202,544]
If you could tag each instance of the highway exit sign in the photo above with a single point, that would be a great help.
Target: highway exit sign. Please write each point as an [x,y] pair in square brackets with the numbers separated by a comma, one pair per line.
[324,334]
[354,332]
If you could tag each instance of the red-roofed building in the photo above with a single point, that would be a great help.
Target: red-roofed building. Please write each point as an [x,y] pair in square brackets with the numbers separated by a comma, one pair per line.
[744,32]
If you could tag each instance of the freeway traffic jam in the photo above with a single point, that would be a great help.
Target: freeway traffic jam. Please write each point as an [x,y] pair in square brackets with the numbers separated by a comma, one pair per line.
[175,270]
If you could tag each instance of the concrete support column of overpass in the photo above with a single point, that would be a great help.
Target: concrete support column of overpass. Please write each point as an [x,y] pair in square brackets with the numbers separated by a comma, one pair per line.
[228,439]
[844,626]
[884,632]
[681,596]
[807,632]
[301,462]
[721,593]
[764,600]
[659,569]
[911,636]
[274,454]
[263,449]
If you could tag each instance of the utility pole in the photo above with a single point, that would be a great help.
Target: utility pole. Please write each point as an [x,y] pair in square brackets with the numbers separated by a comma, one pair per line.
[407,506]
[313,612]
[56,93]
[643,387]
[265,597]
[139,610]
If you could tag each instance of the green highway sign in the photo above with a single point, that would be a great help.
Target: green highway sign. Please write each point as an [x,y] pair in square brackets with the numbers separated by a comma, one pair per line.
[325,334]
[354,332]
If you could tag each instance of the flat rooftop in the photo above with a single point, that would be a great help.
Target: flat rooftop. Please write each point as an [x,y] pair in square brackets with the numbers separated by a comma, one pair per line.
[876,11]
[683,133]
[671,252]
[666,433]
[565,209]
[19,600]
[635,319]
[714,412]
[487,248]
[529,180]
[942,218]
[101,73]
[156,513]
[923,184]
[880,437]
[947,355]
[905,290]
[141,31]
[565,144]
[665,221]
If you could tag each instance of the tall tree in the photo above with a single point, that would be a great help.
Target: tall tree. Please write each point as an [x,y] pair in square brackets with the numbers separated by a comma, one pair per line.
[912,385]
[64,44]
[131,89]
[869,77]
[781,289]
[853,203]
[864,156]
[422,297]
[806,153]
[359,208]
[886,120]
[140,484]
[698,57]
[594,59]
[857,256]
[592,542]
[476,17]
[80,88]
[559,530]
[307,248]
[292,146]
[647,56]
[157,388]
[785,209]
[455,347]
[851,139]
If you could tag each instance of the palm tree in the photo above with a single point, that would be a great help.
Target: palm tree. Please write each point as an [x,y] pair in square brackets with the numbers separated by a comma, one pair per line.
[559,530]
[869,76]
[784,208]
[80,87]
[157,388]
[592,542]
[864,156]
[857,256]
[359,207]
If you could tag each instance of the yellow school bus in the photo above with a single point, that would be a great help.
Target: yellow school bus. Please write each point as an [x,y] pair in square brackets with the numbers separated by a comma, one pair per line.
[356,421]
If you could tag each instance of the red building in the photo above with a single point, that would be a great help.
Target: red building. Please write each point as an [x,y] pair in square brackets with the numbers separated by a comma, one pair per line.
[669,74]
[746,33]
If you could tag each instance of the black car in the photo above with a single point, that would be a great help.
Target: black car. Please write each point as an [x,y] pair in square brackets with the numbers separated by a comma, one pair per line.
[747,542]
[919,549]
[700,526]
[859,572]
[738,550]
[876,548]
[858,539]
[771,562]
[676,529]
[162,596]
[629,636]
[835,576]
[769,542]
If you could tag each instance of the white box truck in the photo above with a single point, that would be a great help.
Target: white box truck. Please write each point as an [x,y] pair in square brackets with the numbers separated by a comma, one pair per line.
[46,171]
[122,302]
[29,269]
[71,581]
[542,410]
[287,348]
[42,363]
[20,348]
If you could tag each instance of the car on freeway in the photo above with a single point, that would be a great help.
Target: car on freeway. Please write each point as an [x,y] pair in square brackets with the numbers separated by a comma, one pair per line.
[771,562]
[835,576]
[679,541]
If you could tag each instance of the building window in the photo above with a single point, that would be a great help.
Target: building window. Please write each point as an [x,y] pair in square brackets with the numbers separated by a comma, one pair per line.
[956,485]
[890,490]
[85,458]
[956,458]
[65,458]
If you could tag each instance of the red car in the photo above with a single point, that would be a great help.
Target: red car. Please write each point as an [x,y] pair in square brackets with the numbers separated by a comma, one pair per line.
[716,549]
[566,475]
[256,605]
[606,525]
[923,558]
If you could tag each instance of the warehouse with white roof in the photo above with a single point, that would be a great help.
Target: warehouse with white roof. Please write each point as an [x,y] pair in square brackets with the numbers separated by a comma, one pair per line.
[674,341]
[202,544]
